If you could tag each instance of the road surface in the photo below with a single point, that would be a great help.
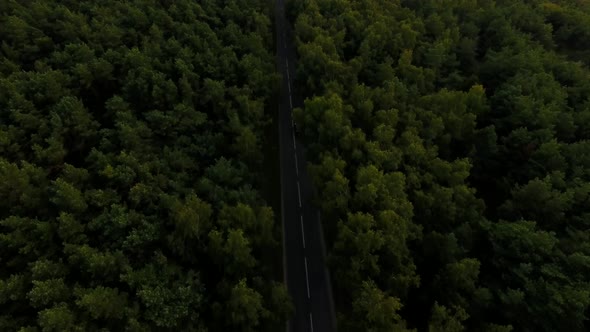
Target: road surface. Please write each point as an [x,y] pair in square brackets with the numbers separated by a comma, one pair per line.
[304,252]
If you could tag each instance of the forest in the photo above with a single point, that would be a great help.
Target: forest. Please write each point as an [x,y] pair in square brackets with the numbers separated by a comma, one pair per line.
[132,144]
[449,142]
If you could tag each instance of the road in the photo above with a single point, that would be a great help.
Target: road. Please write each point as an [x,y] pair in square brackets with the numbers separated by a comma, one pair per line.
[306,274]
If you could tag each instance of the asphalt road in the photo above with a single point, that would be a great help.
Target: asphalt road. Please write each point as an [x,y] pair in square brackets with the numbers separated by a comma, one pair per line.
[306,274]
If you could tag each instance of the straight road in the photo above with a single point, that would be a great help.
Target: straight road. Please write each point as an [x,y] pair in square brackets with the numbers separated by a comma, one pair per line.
[306,274]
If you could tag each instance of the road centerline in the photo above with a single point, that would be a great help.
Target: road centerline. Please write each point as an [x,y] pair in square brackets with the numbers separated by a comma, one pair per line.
[302,230]
[299,193]
[306,277]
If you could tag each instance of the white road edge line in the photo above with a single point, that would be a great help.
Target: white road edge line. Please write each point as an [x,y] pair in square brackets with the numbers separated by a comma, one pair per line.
[311,322]
[289,87]
[290,100]
[294,145]
[296,165]
[302,231]
[299,193]
[287,61]
[306,277]
[288,77]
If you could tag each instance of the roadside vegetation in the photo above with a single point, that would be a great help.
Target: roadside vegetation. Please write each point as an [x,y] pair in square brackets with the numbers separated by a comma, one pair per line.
[450,146]
[131,141]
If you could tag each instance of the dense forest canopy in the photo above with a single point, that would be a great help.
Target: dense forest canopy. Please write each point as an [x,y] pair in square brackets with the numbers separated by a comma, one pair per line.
[449,142]
[131,148]
[450,145]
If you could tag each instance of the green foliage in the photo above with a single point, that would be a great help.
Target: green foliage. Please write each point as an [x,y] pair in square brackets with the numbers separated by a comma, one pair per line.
[131,140]
[446,320]
[378,311]
[102,302]
[47,292]
[245,307]
[448,142]
[58,318]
